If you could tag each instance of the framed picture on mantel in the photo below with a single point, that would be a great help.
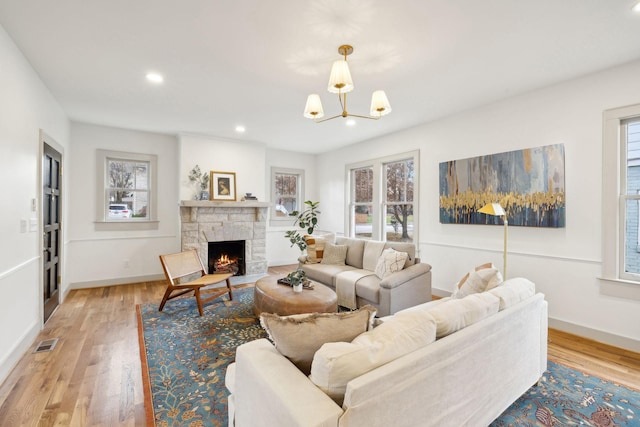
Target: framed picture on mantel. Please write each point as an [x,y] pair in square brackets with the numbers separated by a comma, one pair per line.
[222,186]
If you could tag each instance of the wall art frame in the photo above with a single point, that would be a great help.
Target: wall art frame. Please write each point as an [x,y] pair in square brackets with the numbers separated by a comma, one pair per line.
[528,183]
[222,186]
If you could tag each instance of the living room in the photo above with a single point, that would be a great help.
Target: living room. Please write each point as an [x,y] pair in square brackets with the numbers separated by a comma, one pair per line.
[566,264]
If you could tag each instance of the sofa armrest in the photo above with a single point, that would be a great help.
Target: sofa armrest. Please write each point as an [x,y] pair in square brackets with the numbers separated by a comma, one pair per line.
[271,391]
[398,278]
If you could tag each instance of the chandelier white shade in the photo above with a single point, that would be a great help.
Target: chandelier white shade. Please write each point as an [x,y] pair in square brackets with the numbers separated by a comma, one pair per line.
[340,82]
[313,108]
[379,104]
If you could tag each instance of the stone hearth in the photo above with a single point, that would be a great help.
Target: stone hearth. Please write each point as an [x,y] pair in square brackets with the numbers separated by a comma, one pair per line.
[204,221]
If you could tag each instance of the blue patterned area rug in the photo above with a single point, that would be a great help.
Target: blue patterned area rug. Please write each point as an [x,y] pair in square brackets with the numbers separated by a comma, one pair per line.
[184,360]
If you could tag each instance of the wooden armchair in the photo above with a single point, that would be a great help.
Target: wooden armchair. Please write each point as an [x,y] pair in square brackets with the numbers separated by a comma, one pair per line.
[188,263]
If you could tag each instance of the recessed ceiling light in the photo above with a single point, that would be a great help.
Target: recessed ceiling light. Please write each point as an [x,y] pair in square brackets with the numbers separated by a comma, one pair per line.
[636,7]
[155,78]
[240,129]
[351,122]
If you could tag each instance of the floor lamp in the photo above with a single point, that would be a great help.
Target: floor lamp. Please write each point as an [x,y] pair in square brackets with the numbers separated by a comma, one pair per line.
[496,210]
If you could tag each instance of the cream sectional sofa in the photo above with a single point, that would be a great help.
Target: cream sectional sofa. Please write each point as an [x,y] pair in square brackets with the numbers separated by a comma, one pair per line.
[405,288]
[449,362]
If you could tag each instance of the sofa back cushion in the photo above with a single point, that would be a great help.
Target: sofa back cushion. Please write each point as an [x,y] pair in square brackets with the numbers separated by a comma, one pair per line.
[512,291]
[355,250]
[299,336]
[455,314]
[337,363]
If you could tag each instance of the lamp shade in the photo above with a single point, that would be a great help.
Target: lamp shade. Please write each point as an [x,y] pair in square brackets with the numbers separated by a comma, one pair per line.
[313,108]
[493,209]
[379,104]
[340,79]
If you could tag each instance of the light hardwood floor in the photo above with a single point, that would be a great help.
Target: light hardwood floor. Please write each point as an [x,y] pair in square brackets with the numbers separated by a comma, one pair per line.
[93,376]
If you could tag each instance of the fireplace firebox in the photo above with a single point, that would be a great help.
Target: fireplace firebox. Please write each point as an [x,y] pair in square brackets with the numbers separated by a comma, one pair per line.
[227,257]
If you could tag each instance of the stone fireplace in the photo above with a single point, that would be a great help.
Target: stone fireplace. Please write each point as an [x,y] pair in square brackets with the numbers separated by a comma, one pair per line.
[205,221]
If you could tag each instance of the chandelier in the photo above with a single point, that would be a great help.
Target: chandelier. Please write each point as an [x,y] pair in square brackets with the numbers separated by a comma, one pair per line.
[340,82]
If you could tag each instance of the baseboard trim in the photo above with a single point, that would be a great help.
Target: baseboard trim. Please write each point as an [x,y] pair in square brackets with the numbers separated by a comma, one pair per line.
[16,353]
[596,335]
[116,281]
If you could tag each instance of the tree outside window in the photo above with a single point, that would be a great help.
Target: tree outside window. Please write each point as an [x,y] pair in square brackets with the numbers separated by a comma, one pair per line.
[399,178]
[286,193]
[382,198]
[128,184]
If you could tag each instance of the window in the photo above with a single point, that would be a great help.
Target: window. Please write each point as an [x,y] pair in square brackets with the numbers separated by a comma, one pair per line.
[126,189]
[399,178]
[287,194]
[621,195]
[382,201]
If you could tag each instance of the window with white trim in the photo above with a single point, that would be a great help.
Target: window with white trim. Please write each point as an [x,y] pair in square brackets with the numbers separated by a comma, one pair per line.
[621,194]
[382,200]
[126,189]
[287,194]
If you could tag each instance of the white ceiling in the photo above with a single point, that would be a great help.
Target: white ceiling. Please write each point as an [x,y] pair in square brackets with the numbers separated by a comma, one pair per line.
[253,62]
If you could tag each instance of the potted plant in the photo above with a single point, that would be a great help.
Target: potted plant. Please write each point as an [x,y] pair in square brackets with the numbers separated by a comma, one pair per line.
[307,220]
[297,279]
[201,179]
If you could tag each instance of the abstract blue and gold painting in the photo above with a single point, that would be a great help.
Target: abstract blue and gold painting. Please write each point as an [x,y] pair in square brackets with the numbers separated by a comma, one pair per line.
[528,183]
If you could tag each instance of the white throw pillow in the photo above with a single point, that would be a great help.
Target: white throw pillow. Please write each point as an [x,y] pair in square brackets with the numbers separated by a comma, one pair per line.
[337,363]
[480,279]
[390,262]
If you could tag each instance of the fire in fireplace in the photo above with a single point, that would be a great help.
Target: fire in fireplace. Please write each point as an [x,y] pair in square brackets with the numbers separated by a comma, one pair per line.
[227,257]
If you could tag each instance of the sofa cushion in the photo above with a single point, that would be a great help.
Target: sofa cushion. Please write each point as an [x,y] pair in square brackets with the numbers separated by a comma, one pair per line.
[512,291]
[299,336]
[355,251]
[372,251]
[391,261]
[315,248]
[334,254]
[369,288]
[480,279]
[337,363]
[325,273]
[455,314]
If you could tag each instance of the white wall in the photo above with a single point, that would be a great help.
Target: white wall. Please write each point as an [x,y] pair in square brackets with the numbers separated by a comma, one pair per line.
[279,250]
[564,263]
[96,258]
[26,106]
[246,159]
[252,164]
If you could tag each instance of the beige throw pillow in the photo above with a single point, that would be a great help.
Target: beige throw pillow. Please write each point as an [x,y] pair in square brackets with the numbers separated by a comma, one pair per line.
[334,254]
[315,248]
[390,262]
[299,336]
[480,279]
[337,363]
